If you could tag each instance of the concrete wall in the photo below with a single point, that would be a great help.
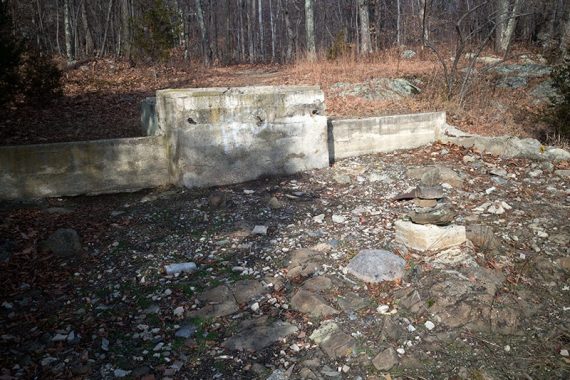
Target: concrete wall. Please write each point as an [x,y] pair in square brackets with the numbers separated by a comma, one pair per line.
[356,137]
[88,167]
[218,136]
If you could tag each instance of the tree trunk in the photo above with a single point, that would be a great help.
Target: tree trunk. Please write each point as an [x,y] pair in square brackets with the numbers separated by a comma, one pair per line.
[289,32]
[125,29]
[261,38]
[203,33]
[109,9]
[398,23]
[67,28]
[506,23]
[423,13]
[310,30]
[250,31]
[565,37]
[365,45]
[89,44]
[272,27]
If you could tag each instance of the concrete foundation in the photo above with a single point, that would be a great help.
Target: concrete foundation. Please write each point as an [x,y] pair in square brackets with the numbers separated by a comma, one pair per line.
[89,167]
[356,137]
[218,136]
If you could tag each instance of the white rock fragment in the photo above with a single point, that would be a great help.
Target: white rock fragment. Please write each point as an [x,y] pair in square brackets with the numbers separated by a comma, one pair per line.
[383,309]
[255,307]
[429,325]
[59,338]
[507,348]
[295,348]
[411,328]
[248,192]
[401,351]
[319,218]
[429,237]
[158,346]
[564,353]
[179,268]
[338,218]
[259,230]
[179,311]
[121,373]
[490,190]
[345,368]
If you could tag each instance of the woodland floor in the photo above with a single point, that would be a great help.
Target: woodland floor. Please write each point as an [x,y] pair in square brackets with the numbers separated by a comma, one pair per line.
[102,97]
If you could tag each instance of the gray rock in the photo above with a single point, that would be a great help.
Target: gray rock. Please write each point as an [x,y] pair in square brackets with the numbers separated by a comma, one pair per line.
[408,54]
[185,332]
[317,284]
[424,191]
[258,337]
[333,341]
[512,82]
[562,173]
[219,302]
[385,360]
[246,290]
[304,263]
[351,302]
[528,70]
[274,203]
[377,89]
[436,175]
[440,217]
[376,265]
[312,304]
[63,243]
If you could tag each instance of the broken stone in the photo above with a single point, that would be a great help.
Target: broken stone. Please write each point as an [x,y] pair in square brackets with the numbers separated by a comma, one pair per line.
[439,217]
[274,203]
[342,179]
[219,302]
[333,341]
[258,337]
[317,284]
[304,263]
[482,237]
[425,203]
[385,360]
[350,302]
[423,192]
[312,304]
[259,230]
[376,265]
[246,290]
[186,331]
[429,237]
[171,269]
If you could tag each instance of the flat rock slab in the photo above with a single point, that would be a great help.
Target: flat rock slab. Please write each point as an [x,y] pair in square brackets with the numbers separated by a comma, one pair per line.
[304,263]
[317,284]
[439,217]
[436,175]
[385,360]
[246,290]
[219,302]
[333,341]
[312,304]
[429,237]
[256,338]
[352,302]
[376,265]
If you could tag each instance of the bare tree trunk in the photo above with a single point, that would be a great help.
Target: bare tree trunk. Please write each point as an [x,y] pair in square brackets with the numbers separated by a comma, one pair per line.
[365,45]
[89,44]
[310,30]
[250,32]
[203,33]
[57,27]
[423,9]
[272,27]
[109,8]
[289,32]
[261,39]
[241,34]
[506,23]
[565,38]
[125,29]
[398,23]
[67,28]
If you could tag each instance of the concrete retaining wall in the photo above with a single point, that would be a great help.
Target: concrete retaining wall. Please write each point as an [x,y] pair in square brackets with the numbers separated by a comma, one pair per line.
[88,167]
[218,136]
[356,137]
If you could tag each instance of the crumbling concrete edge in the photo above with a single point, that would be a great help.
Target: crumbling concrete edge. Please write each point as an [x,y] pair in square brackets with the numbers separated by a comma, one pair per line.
[502,146]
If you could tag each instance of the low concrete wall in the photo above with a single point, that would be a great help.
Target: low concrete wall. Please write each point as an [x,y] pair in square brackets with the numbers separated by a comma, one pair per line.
[88,167]
[356,137]
[218,136]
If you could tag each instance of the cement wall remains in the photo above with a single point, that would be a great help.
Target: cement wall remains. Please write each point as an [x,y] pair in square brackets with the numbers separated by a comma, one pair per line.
[356,137]
[219,136]
[88,167]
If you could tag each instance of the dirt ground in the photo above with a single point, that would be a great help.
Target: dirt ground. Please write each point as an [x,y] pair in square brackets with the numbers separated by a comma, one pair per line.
[276,301]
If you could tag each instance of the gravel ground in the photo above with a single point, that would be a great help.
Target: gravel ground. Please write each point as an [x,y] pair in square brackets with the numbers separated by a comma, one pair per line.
[271,296]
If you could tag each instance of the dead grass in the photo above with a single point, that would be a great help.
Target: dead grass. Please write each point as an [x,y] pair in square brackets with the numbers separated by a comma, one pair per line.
[102,96]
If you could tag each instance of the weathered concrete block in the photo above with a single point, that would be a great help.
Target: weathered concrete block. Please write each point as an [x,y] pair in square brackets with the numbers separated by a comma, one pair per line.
[149,120]
[356,137]
[87,167]
[221,136]
[429,237]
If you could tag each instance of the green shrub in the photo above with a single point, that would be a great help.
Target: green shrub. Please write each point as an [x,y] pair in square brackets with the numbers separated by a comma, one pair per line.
[154,34]
[558,113]
[40,79]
